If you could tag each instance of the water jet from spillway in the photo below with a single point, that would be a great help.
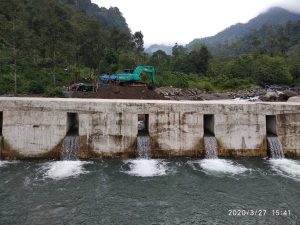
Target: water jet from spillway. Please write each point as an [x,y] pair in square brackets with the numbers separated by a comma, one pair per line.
[71,143]
[143,138]
[143,147]
[70,148]
[210,147]
[210,141]
[274,145]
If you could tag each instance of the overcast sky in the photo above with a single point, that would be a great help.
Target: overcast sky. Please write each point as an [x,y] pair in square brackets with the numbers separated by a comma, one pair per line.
[170,21]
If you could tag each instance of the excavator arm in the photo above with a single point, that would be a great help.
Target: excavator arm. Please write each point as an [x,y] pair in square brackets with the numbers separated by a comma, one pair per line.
[146,69]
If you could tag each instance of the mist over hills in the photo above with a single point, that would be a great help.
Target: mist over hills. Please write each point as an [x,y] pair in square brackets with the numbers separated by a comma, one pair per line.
[153,48]
[274,16]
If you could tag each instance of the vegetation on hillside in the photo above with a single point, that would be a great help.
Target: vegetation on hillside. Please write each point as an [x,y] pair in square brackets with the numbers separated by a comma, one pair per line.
[48,44]
[110,18]
[45,44]
[270,55]
[274,16]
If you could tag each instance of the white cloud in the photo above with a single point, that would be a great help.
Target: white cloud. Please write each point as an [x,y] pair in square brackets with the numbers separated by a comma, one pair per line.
[170,21]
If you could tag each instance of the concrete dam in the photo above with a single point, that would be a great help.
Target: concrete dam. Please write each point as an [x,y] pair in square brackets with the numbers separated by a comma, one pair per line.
[36,128]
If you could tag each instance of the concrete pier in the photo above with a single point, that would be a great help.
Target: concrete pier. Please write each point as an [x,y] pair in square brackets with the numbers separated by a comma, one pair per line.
[35,127]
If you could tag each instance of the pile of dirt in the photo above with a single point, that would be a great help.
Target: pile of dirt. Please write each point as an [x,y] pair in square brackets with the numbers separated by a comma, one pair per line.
[122,92]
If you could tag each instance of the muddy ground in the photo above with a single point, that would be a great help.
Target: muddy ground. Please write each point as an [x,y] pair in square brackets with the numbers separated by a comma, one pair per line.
[120,92]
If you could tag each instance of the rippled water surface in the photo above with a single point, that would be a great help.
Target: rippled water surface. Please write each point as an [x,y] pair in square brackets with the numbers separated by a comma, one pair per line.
[145,191]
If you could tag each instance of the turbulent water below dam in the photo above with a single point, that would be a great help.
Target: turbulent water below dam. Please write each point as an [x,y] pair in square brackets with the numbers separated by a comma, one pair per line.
[150,191]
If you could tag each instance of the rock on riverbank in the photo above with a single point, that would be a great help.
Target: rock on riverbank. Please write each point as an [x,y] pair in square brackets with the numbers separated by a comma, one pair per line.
[268,94]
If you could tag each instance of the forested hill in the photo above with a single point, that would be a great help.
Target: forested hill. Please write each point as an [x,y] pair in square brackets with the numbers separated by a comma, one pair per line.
[274,16]
[269,39]
[45,44]
[153,48]
[110,18]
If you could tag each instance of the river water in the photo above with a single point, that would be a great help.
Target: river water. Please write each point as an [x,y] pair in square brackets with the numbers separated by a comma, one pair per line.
[142,191]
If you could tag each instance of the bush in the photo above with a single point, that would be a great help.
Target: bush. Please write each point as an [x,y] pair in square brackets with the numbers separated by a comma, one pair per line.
[35,87]
[175,79]
[272,70]
[54,92]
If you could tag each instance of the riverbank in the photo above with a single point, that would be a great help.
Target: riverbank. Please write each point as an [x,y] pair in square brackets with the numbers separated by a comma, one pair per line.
[255,94]
[268,94]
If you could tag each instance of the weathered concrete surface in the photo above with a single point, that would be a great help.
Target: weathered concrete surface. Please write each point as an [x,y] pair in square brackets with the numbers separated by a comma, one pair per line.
[35,127]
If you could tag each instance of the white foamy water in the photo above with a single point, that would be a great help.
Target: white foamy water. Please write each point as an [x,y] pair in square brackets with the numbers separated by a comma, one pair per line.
[252,99]
[4,162]
[146,167]
[63,169]
[286,167]
[219,166]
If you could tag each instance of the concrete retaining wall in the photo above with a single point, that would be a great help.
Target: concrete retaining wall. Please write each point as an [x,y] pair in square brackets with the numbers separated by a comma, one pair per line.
[35,127]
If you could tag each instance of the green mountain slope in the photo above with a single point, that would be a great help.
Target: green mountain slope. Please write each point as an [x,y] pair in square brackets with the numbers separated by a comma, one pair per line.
[45,45]
[269,39]
[274,16]
[110,18]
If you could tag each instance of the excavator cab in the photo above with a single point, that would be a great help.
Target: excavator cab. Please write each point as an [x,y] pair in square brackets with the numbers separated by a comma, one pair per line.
[137,76]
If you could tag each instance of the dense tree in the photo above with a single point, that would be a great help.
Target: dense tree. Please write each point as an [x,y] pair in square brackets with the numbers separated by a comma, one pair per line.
[271,70]
[110,18]
[293,60]
[160,60]
[199,60]
[44,43]
[138,39]
[178,50]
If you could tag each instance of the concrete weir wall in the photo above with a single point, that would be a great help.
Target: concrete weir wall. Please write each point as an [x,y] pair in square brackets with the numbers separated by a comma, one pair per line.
[36,127]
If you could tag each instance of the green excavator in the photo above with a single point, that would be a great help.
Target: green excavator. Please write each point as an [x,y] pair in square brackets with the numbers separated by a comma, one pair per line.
[136,76]
[140,75]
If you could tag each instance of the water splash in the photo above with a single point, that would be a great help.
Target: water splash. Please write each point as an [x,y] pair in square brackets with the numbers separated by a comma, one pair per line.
[286,167]
[63,169]
[143,146]
[71,145]
[146,167]
[275,147]
[4,163]
[210,147]
[218,167]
